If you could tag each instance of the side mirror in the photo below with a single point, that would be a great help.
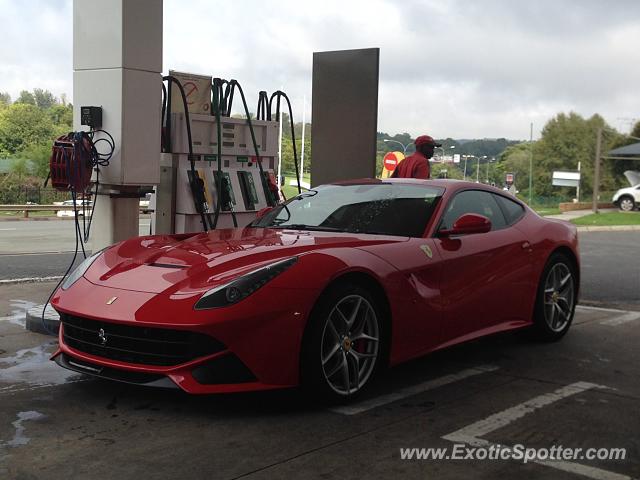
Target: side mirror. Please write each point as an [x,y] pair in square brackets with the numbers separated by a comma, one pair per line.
[467,224]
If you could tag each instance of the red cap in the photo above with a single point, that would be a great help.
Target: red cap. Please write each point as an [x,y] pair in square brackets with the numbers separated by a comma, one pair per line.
[426,140]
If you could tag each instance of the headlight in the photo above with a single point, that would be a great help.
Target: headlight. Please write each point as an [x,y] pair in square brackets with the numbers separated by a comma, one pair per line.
[79,271]
[242,287]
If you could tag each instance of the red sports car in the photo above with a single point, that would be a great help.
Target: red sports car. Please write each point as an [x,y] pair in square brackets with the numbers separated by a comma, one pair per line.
[323,291]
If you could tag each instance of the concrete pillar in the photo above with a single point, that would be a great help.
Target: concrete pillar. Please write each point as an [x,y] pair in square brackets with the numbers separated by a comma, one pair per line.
[117,62]
[344,115]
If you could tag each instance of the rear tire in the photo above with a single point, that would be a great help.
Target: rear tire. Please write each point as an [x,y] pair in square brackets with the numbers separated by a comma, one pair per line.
[556,299]
[343,346]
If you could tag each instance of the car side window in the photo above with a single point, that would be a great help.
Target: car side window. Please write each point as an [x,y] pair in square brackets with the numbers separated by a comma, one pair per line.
[473,201]
[513,211]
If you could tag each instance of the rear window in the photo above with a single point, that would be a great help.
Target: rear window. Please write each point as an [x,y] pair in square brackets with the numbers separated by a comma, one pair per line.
[513,211]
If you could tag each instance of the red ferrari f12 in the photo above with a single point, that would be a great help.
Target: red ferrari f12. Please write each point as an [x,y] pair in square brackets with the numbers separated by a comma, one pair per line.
[323,290]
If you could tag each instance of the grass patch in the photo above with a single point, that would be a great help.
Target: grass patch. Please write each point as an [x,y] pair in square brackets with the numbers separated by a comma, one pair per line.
[292,190]
[547,211]
[609,219]
[31,214]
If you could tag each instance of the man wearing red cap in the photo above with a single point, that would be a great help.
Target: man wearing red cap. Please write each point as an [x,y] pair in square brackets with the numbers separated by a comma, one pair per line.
[417,165]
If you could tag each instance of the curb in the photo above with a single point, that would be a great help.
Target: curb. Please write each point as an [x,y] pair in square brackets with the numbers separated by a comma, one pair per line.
[12,281]
[34,322]
[51,218]
[610,228]
[33,219]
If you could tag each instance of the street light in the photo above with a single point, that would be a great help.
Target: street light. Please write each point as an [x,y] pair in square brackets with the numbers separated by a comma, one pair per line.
[443,153]
[404,147]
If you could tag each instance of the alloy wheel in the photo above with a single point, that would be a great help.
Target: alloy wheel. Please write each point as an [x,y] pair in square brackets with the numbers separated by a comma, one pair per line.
[626,204]
[350,344]
[559,297]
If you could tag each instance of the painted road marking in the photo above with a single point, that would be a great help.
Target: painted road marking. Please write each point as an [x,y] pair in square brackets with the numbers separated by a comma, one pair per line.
[7,229]
[623,316]
[471,434]
[365,405]
[627,317]
[600,309]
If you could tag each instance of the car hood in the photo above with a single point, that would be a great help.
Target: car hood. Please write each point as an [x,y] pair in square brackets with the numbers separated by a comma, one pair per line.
[190,263]
[633,177]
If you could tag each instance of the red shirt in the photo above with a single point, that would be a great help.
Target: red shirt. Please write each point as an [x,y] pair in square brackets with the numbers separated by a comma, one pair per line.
[414,166]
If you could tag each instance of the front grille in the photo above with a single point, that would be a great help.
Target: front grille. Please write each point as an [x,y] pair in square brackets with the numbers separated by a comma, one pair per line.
[134,344]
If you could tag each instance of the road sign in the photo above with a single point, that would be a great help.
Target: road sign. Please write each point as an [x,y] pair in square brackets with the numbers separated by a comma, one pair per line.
[565,179]
[509,179]
[391,160]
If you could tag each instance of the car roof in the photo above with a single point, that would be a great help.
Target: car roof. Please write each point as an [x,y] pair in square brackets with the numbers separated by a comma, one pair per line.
[438,182]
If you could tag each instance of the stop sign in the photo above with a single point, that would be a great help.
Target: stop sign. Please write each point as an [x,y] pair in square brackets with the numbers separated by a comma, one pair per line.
[391,160]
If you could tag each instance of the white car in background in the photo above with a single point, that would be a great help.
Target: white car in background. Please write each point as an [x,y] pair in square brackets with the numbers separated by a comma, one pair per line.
[69,203]
[626,199]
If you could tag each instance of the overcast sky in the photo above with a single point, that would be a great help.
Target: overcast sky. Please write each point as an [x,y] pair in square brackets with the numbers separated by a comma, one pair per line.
[462,69]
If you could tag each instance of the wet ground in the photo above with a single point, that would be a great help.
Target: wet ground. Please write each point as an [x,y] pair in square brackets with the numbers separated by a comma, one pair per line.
[582,392]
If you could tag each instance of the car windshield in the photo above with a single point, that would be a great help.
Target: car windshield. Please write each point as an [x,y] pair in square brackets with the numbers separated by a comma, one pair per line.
[380,208]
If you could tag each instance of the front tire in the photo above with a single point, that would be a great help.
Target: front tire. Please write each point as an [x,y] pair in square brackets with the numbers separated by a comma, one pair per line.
[626,204]
[556,298]
[343,344]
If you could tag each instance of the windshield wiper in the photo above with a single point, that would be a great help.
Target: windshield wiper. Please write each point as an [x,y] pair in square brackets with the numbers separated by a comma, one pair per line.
[302,226]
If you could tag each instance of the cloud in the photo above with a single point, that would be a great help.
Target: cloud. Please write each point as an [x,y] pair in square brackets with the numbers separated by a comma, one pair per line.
[449,68]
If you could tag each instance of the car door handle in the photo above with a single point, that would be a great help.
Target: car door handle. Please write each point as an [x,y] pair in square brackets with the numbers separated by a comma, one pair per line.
[526,246]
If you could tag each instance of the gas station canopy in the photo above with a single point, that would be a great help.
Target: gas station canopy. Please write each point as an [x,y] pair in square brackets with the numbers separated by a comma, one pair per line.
[632,150]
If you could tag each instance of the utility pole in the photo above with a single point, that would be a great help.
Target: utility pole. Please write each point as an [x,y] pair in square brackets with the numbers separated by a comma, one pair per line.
[596,175]
[304,113]
[531,164]
[578,189]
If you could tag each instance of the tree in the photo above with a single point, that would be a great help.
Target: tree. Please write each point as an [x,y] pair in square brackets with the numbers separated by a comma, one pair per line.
[39,155]
[20,168]
[22,125]
[515,159]
[26,97]
[44,98]
[62,116]
[5,99]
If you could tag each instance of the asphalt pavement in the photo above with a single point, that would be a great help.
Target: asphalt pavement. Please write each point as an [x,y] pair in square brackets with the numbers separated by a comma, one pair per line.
[501,392]
[582,392]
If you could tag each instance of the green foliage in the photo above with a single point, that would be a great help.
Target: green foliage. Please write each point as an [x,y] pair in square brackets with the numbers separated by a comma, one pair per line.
[62,117]
[39,155]
[20,168]
[26,97]
[27,129]
[44,98]
[22,125]
[287,146]
[566,140]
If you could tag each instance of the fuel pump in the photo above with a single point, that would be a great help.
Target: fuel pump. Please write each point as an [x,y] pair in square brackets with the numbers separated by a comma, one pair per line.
[213,166]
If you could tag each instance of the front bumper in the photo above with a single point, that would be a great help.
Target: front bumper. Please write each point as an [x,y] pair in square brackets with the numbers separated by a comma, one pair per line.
[261,338]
